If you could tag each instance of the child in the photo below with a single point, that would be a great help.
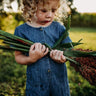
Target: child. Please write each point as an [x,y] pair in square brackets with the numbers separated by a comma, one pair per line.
[46,75]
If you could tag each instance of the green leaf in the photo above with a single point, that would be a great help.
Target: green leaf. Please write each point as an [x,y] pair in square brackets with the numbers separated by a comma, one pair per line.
[13,48]
[72,60]
[77,53]
[69,22]
[80,40]
[16,44]
[64,35]
[16,38]
[68,45]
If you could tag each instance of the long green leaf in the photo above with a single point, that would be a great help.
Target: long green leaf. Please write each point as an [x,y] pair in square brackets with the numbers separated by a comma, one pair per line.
[77,53]
[67,45]
[13,48]
[16,44]
[17,38]
[4,38]
[80,40]
[68,22]
[72,60]
[64,35]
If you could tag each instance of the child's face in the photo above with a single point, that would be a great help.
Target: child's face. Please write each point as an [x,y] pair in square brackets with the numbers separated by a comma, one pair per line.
[45,13]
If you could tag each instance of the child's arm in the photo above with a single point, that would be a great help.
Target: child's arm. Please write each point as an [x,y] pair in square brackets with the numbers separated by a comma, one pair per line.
[36,52]
[57,56]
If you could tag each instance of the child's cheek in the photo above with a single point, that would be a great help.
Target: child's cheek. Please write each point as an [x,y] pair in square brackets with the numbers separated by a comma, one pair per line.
[40,16]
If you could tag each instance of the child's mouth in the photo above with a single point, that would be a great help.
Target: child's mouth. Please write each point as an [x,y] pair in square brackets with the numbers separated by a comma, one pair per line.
[46,21]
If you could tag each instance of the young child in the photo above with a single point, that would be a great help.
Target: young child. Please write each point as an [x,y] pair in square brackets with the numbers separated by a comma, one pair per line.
[46,75]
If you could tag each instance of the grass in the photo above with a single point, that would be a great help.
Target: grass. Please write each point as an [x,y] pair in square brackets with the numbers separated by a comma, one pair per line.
[87,34]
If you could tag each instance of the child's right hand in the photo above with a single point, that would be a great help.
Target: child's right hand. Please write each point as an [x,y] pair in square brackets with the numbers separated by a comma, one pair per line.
[37,51]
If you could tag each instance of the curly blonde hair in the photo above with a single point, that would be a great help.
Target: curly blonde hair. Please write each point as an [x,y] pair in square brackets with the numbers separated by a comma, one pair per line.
[30,7]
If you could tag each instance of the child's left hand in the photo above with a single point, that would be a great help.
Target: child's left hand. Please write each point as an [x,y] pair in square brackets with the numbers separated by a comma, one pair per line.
[57,56]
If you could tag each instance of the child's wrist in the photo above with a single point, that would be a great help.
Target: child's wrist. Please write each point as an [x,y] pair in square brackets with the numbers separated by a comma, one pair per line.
[30,60]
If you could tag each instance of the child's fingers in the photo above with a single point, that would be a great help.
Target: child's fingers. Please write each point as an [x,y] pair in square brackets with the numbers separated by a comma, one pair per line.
[45,53]
[63,59]
[54,53]
[32,48]
[38,46]
[58,55]
[43,48]
[51,54]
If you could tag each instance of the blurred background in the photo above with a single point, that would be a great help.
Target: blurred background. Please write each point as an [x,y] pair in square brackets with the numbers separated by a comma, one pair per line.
[83,25]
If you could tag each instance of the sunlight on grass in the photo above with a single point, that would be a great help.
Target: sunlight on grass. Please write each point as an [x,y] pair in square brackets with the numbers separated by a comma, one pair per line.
[87,34]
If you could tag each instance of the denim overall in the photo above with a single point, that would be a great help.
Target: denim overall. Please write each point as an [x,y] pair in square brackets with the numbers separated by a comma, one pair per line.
[45,77]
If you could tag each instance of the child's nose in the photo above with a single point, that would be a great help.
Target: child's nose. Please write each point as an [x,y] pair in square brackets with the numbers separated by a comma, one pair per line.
[49,15]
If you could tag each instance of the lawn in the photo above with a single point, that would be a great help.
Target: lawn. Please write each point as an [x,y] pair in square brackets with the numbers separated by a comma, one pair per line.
[87,34]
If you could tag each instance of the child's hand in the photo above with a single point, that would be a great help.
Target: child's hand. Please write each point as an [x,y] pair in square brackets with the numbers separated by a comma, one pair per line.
[37,51]
[57,56]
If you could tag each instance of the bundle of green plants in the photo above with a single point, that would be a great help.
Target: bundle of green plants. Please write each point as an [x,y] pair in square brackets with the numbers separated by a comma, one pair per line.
[71,54]
[87,66]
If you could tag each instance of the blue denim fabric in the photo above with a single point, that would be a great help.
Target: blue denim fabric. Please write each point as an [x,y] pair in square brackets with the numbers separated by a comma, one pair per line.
[45,77]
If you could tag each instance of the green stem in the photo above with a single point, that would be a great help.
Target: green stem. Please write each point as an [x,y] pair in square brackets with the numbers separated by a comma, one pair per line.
[13,49]
[69,59]
[4,38]
[47,46]
[16,44]
[14,37]
[64,35]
